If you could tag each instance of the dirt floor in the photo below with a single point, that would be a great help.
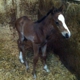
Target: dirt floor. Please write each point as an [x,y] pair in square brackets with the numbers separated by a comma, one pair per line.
[12,69]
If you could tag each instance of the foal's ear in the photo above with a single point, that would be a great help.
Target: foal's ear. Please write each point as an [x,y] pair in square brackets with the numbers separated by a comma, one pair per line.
[61,8]
[53,9]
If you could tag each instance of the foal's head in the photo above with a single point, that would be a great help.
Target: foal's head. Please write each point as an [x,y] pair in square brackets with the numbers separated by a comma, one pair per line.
[60,21]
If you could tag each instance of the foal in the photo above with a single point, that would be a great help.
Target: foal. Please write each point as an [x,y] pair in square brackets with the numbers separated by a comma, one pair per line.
[38,33]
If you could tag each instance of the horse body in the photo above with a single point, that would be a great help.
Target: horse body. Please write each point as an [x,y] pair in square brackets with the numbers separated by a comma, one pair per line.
[38,33]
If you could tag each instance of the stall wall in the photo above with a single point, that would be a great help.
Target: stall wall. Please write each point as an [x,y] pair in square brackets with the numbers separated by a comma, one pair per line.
[12,9]
[67,49]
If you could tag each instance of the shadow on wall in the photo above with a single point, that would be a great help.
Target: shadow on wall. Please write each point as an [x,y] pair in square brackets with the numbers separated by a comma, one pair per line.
[69,49]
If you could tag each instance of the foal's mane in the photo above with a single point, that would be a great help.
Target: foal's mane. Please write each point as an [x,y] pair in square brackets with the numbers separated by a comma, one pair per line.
[38,21]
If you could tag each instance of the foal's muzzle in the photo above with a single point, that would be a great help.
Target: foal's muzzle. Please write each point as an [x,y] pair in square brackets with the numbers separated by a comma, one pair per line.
[66,34]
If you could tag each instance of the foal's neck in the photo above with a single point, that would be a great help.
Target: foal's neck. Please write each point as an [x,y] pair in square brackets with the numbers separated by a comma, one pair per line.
[47,20]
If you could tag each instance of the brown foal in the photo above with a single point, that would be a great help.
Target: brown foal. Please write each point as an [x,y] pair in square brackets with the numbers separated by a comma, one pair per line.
[38,33]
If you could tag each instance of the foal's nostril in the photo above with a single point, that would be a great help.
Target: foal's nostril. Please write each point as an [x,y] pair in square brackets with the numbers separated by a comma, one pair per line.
[66,35]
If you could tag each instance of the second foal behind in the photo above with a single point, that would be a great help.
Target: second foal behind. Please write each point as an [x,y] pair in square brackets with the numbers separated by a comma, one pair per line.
[38,33]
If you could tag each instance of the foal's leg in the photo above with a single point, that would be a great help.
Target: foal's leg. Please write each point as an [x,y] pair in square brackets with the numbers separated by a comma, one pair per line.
[36,57]
[22,55]
[43,57]
[20,50]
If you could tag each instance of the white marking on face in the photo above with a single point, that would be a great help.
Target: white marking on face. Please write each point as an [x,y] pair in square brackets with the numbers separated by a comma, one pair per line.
[21,57]
[46,68]
[62,19]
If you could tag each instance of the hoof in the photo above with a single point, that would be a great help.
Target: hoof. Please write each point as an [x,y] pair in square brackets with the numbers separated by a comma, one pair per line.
[34,76]
[27,70]
[46,68]
[21,61]
[27,66]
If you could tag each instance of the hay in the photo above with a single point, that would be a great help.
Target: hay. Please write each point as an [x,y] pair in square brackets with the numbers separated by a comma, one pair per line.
[73,14]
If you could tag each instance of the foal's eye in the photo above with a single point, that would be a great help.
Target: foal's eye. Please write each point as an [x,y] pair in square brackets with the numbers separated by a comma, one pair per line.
[57,23]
